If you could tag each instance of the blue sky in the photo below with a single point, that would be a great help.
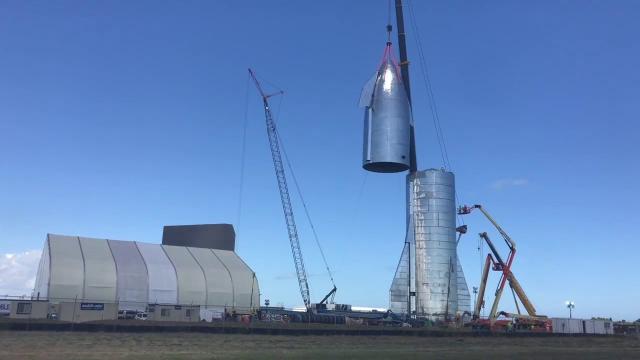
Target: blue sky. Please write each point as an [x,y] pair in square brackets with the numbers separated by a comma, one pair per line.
[119,117]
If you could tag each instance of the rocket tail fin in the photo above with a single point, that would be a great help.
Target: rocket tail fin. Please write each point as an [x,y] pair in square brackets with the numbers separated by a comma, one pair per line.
[399,291]
[464,298]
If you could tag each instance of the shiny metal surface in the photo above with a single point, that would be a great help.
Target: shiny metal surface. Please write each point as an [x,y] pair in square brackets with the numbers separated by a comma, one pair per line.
[387,121]
[433,210]
[399,291]
[464,298]
[429,265]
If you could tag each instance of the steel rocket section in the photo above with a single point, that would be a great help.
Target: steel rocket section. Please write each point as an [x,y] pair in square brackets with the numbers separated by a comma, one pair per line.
[387,121]
[432,209]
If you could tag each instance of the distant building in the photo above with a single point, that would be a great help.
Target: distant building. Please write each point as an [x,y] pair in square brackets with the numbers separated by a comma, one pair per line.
[134,275]
[209,236]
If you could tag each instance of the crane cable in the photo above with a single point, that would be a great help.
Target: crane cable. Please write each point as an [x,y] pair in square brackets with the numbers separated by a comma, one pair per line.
[444,154]
[299,192]
[304,205]
[427,81]
[295,180]
[243,155]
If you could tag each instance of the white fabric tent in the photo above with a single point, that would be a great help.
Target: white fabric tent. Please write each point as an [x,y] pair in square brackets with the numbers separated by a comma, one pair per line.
[66,278]
[41,288]
[137,274]
[163,285]
[245,286]
[133,285]
[192,287]
[217,276]
[99,270]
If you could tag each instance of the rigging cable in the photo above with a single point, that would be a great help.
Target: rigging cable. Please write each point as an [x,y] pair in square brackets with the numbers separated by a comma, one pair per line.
[389,12]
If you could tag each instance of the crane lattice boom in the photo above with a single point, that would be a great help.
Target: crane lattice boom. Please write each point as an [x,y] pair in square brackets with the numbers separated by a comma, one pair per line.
[287,208]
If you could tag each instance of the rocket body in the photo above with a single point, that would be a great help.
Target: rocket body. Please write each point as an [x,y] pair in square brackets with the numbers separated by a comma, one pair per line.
[387,122]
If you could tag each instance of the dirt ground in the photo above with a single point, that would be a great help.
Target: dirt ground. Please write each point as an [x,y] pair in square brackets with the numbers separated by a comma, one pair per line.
[157,346]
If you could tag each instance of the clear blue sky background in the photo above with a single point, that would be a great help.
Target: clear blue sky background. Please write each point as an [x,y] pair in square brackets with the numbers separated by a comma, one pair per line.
[119,117]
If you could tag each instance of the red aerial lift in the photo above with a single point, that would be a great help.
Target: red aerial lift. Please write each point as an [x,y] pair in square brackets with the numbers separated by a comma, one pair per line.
[530,322]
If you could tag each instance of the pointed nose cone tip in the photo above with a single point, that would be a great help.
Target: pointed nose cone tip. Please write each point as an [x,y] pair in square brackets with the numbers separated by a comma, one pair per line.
[390,69]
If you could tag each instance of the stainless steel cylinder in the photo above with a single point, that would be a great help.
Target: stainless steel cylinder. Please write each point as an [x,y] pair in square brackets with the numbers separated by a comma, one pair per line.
[432,210]
[387,121]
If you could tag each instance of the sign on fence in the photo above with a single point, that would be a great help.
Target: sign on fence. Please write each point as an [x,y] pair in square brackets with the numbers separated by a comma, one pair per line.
[5,307]
[92,306]
[211,313]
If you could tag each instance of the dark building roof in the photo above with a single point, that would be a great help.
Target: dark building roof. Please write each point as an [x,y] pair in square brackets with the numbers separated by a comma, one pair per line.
[209,236]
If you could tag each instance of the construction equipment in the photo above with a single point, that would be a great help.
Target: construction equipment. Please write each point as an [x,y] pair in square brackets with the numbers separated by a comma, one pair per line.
[508,322]
[496,262]
[331,295]
[287,208]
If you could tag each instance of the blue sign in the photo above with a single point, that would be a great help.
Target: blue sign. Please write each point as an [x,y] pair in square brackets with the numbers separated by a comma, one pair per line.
[5,307]
[92,306]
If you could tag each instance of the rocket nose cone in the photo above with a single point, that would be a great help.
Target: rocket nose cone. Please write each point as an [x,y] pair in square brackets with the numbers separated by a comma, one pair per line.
[387,125]
[389,77]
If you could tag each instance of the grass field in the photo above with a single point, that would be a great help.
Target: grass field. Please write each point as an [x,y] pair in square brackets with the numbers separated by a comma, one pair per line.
[156,346]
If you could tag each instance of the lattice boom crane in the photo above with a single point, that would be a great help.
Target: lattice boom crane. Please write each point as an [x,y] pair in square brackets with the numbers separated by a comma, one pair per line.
[287,208]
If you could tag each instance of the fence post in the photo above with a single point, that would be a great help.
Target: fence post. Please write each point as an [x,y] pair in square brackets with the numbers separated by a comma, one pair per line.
[73,317]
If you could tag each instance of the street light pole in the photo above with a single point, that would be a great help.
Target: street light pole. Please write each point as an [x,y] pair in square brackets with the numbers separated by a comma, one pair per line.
[475,296]
[570,305]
